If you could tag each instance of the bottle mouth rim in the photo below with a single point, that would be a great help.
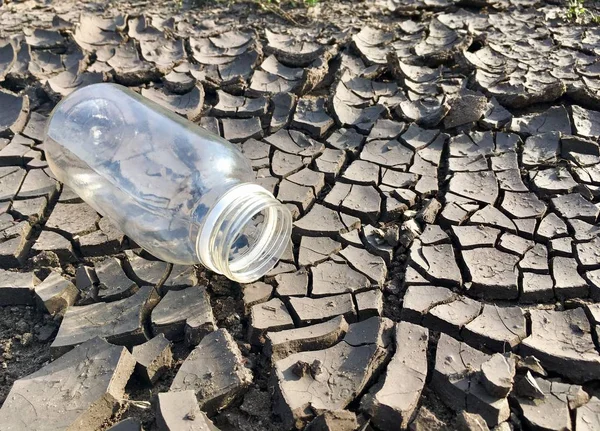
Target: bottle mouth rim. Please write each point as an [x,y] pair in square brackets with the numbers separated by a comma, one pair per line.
[229,218]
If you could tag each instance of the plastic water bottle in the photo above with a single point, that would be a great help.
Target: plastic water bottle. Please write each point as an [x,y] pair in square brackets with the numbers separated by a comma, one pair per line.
[184,194]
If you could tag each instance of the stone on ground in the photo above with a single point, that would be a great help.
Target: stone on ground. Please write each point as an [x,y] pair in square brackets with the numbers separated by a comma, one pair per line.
[181,276]
[314,337]
[129,424]
[437,261]
[179,411]
[418,300]
[113,282]
[392,402]
[184,314]
[493,273]
[316,310]
[56,293]
[425,420]
[497,328]
[215,371]
[456,379]
[294,284]
[562,341]
[153,358]
[475,236]
[314,250]
[553,412]
[322,221]
[587,417]
[331,278]
[85,281]
[497,375]
[269,316]
[120,322]
[328,379]
[536,288]
[576,206]
[256,293]
[470,422]
[451,317]
[369,303]
[338,420]
[17,288]
[92,384]
[526,386]
[370,265]
[146,272]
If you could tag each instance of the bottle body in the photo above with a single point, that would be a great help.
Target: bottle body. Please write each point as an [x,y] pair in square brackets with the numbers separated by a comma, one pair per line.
[160,178]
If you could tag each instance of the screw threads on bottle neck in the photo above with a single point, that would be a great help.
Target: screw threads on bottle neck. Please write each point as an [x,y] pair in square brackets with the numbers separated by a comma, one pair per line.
[244,234]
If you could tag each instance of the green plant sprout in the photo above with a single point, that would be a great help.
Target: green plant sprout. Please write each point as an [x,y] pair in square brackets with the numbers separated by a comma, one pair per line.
[578,13]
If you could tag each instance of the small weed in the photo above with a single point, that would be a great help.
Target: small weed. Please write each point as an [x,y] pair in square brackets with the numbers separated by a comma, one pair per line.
[290,3]
[577,12]
[283,8]
[264,4]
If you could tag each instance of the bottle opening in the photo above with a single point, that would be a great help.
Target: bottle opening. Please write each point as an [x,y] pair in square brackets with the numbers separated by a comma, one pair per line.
[248,237]
[245,233]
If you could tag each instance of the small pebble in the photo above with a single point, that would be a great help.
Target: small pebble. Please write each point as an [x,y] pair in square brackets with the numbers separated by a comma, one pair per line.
[26,338]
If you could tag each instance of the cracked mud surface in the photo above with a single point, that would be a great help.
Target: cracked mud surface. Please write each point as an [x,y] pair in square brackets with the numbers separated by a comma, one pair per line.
[442,165]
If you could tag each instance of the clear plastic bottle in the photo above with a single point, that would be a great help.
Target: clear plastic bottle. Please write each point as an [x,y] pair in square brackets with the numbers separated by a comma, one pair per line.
[185,195]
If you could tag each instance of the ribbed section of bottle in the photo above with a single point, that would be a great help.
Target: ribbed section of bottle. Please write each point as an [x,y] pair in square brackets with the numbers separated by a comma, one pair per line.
[245,233]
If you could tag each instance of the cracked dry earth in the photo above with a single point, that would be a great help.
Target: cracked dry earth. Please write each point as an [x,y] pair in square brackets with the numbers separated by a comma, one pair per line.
[442,164]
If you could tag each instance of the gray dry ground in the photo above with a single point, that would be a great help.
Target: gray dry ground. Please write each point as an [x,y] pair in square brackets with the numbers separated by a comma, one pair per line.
[441,160]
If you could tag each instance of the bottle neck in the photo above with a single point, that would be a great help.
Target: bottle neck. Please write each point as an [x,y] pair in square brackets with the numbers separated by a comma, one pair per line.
[244,233]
